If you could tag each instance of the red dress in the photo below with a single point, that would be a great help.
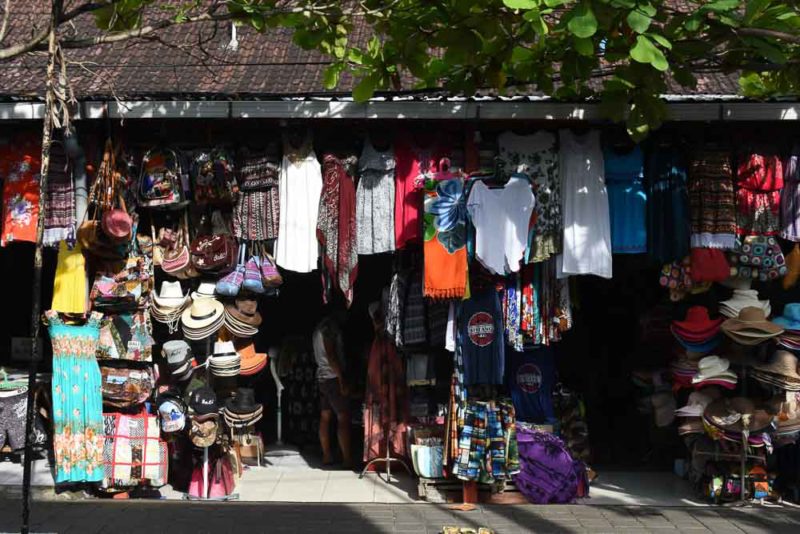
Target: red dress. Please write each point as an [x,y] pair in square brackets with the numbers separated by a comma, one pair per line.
[414,162]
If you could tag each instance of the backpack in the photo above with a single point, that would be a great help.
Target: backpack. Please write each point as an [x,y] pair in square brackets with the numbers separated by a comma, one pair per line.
[160,179]
[213,177]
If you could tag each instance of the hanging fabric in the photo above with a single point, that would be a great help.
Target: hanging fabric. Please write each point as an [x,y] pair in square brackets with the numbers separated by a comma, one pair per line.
[445,236]
[300,190]
[375,202]
[59,218]
[336,226]
[20,165]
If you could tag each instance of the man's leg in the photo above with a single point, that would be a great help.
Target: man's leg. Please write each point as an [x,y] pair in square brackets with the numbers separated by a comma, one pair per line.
[325,436]
[343,433]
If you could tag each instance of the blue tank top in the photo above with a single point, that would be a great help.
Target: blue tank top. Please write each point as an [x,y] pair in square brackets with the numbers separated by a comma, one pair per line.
[530,379]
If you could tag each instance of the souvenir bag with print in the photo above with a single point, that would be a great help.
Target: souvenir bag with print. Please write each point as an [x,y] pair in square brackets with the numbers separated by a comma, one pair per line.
[213,177]
[160,181]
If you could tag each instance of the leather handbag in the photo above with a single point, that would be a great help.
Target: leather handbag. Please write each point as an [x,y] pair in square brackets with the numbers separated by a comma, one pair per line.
[214,254]
[117,223]
[126,387]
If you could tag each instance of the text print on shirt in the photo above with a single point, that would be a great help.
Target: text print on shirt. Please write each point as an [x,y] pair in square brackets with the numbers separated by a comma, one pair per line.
[529,378]
[481,329]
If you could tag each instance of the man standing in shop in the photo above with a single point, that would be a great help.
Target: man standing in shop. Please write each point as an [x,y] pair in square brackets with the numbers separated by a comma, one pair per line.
[333,392]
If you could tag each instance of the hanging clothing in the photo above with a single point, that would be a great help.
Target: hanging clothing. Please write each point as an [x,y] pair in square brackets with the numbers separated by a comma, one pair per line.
[790,199]
[20,165]
[530,378]
[501,218]
[414,320]
[386,401]
[59,218]
[481,339]
[668,225]
[759,180]
[77,400]
[487,445]
[587,229]
[257,213]
[536,156]
[414,164]
[711,200]
[69,286]
[395,307]
[627,200]
[375,203]
[300,190]
[336,226]
[445,248]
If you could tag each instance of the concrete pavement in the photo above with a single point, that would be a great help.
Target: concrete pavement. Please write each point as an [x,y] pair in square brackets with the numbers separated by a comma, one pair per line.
[93,516]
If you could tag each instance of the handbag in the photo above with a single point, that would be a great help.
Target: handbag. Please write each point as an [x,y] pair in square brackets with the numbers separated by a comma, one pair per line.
[126,387]
[230,284]
[176,258]
[213,177]
[269,270]
[116,223]
[758,257]
[133,451]
[125,336]
[160,179]
[214,254]
[222,482]
[126,290]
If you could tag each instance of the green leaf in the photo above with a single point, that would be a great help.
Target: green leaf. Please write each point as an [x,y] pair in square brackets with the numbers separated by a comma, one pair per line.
[638,21]
[520,54]
[521,4]
[693,23]
[537,21]
[583,22]
[754,9]
[753,85]
[354,55]
[684,77]
[554,3]
[769,51]
[660,39]
[331,76]
[721,6]
[644,51]
[373,46]
[648,9]
[584,47]
[364,90]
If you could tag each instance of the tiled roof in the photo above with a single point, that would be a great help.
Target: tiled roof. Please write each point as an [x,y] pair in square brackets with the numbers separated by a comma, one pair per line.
[196,61]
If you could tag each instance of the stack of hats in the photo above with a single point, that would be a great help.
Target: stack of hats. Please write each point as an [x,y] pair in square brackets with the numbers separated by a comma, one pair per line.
[252,362]
[169,304]
[179,359]
[225,361]
[790,322]
[205,417]
[683,370]
[780,372]
[714,371]
[205,290]
[171,410]
[692,413]
[728,418]
[743,298]
[202,319]
[751,327]
[698,332]
[788,420]
[242,318]
[242,411]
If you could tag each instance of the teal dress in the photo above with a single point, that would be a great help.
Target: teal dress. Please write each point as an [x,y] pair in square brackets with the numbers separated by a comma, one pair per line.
[77,400]
[627,200]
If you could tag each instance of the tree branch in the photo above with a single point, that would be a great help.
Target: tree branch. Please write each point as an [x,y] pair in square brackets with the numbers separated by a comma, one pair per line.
[771,34]
[33,43]
[6,17]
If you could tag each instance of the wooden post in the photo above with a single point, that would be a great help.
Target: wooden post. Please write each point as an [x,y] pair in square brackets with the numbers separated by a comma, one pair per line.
[36,292]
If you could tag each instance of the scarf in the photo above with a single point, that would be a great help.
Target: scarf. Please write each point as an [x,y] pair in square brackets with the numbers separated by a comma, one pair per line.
[445,235]
[336,226]
[59,216]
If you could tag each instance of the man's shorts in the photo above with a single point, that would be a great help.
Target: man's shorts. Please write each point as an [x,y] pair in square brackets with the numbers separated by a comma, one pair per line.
[331,398]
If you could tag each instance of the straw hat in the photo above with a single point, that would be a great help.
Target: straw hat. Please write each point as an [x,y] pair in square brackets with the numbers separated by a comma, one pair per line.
[730,414]
[751,327]
[743,298]
[205,290]
[252,362]
[203,318]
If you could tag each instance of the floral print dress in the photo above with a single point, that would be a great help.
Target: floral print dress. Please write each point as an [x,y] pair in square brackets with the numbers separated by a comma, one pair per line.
[445,235]
[77,400]
[536,156]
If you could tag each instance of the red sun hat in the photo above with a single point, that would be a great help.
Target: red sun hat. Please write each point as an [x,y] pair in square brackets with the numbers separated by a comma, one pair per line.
[697,322]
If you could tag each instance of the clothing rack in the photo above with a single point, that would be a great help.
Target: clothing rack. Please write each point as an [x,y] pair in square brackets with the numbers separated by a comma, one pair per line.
[388,459]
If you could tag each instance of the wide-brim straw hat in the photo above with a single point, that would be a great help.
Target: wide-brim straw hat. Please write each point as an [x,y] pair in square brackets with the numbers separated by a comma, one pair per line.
[728,415]
[783,363]
[751,327]
[202,318]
